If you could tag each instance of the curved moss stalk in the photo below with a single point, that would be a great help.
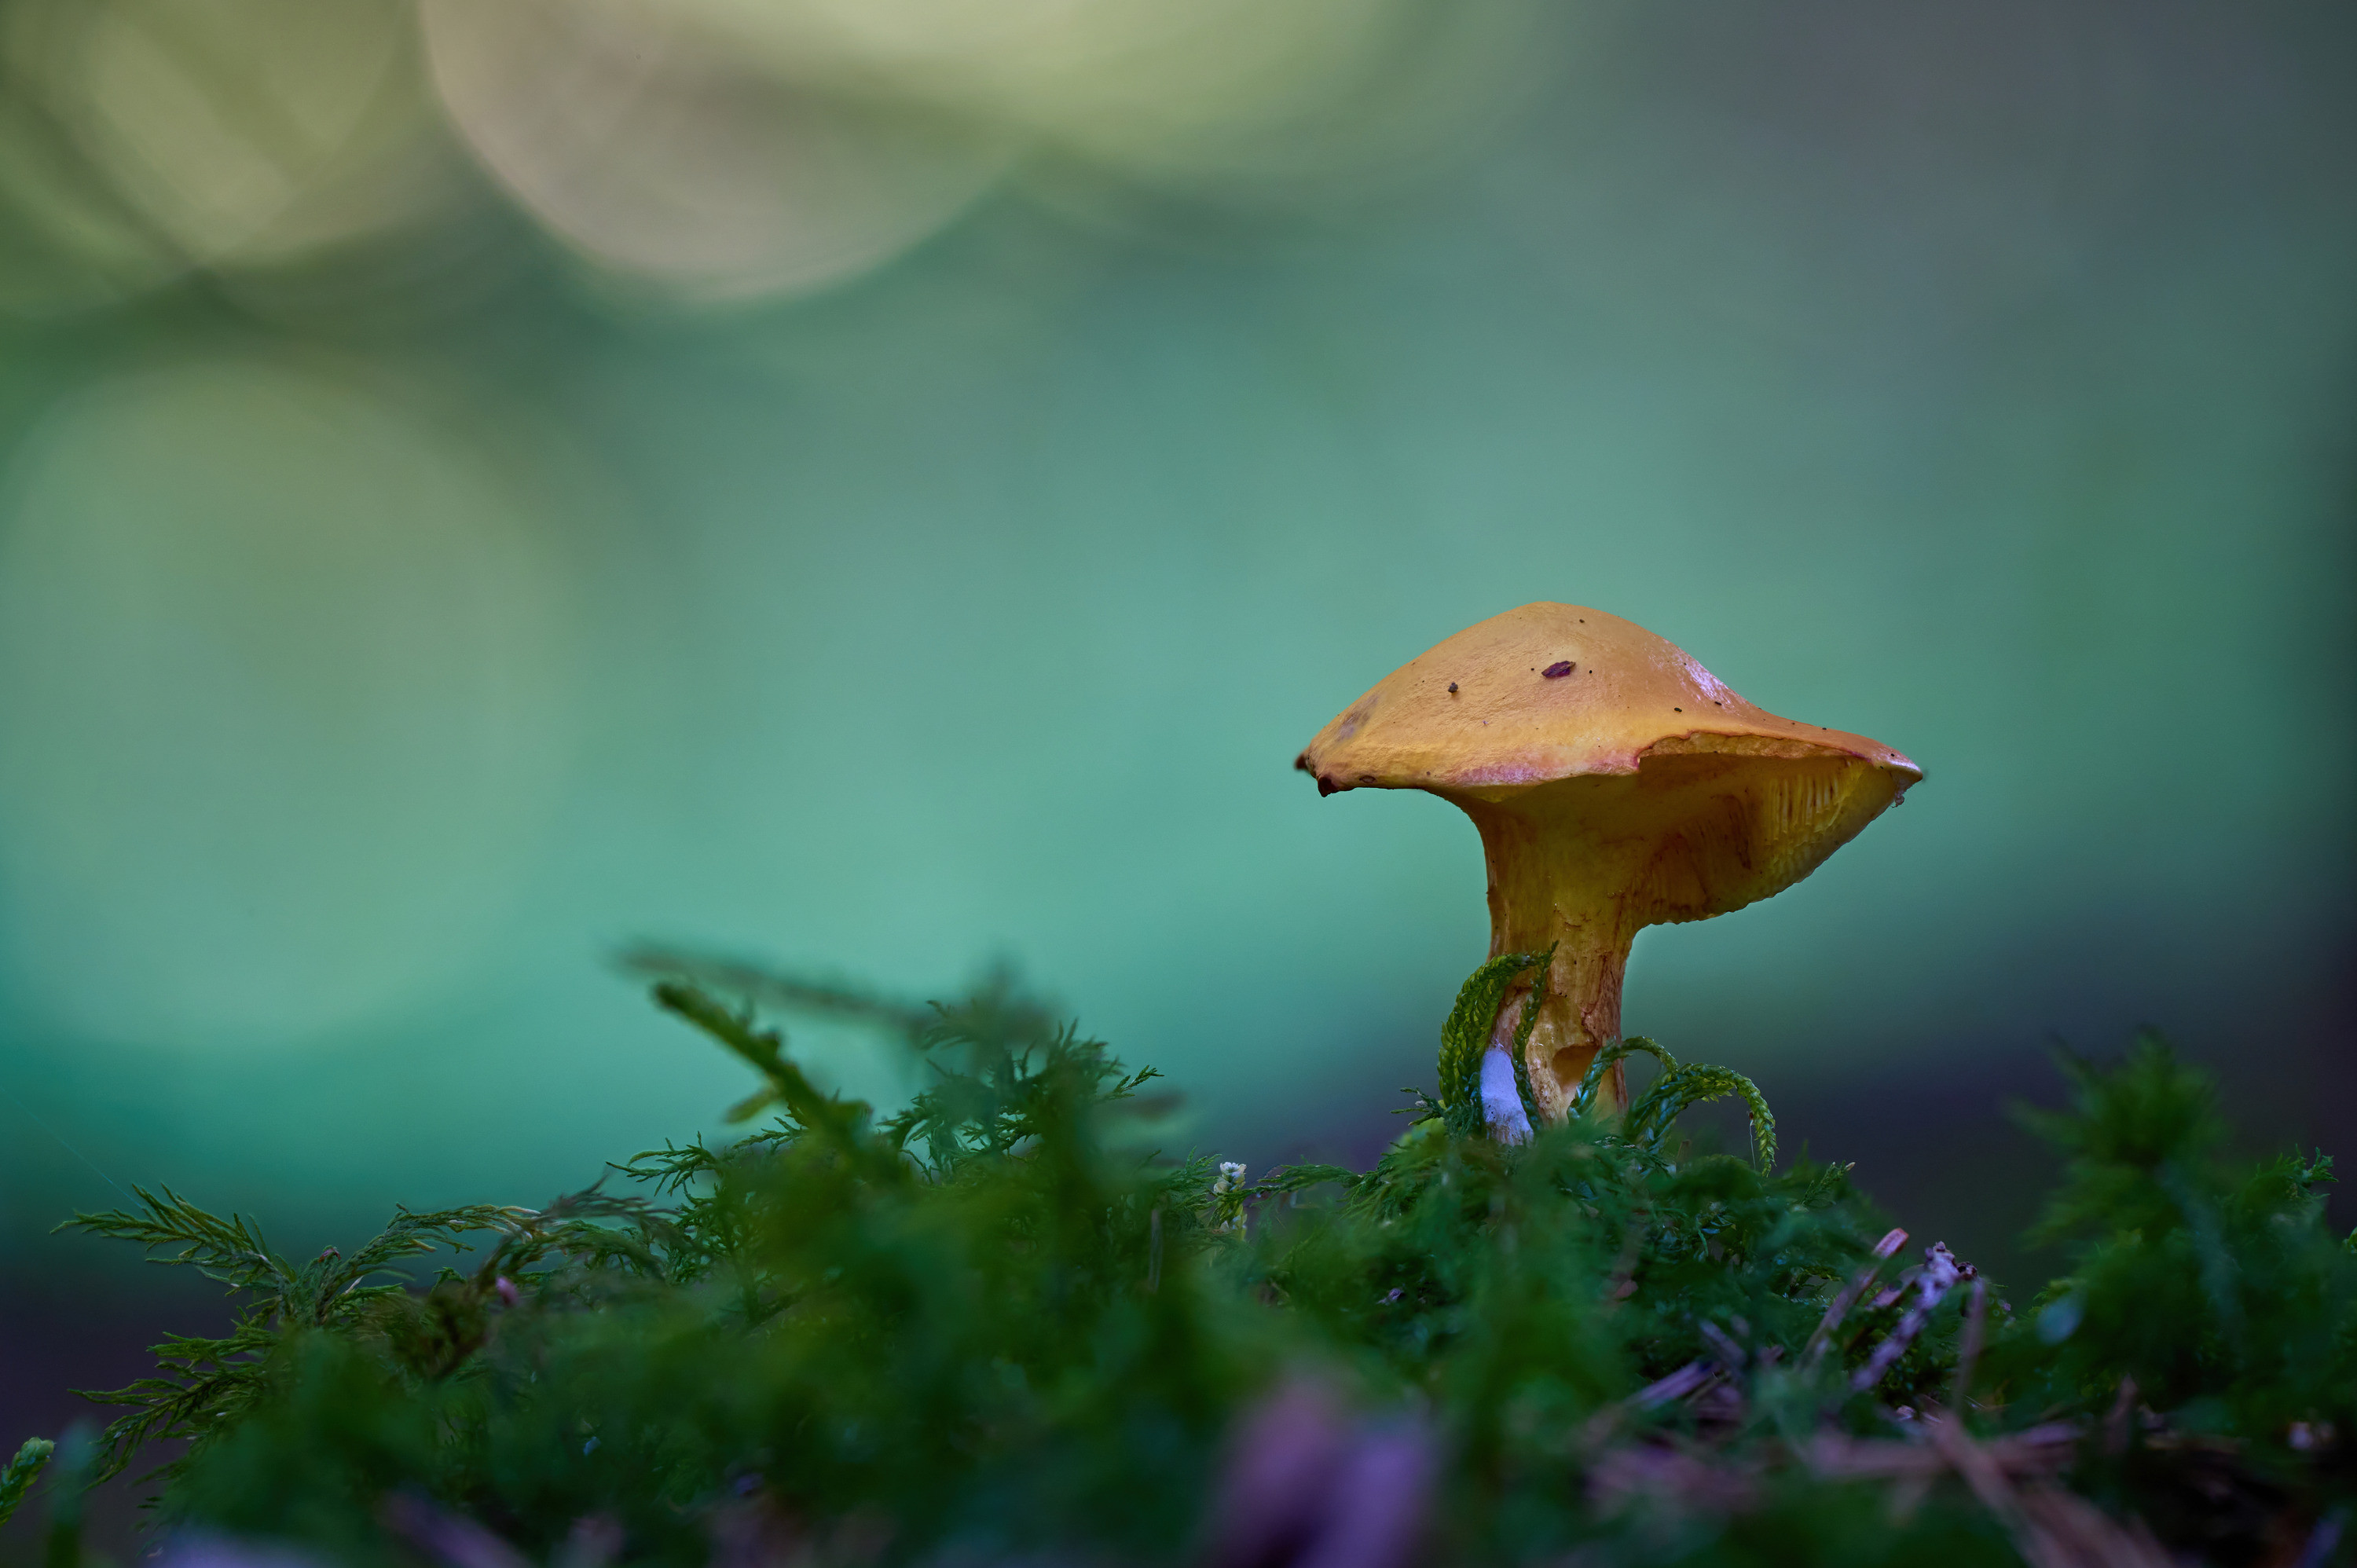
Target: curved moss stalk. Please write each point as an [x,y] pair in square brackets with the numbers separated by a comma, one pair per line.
[1484,1083]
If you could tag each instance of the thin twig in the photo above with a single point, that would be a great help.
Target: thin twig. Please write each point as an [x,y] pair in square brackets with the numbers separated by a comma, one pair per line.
[1968,1347]
[1678,1385]
[2323,1540]
[1983,1473]
[2036,1451]
[1939,1275]
[1729,1353]
[1847,1297]
[2115,1423]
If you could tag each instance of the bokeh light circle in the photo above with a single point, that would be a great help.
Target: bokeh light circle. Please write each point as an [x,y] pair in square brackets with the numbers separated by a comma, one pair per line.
[285,700]
[234,132]
[1237,93]
[665,158]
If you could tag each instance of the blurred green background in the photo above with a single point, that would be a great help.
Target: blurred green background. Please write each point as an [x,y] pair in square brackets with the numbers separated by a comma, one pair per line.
[888,485]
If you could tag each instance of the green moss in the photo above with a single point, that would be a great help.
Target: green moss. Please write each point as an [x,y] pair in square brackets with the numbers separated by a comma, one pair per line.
[990,1324]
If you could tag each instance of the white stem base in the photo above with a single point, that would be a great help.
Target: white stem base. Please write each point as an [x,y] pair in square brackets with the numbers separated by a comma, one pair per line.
[1502,1102]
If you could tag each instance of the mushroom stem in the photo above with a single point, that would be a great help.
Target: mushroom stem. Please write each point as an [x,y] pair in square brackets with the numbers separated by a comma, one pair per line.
[1579,1017]
[1554,882]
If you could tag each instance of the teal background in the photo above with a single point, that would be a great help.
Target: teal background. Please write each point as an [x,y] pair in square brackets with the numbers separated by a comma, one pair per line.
[392,635]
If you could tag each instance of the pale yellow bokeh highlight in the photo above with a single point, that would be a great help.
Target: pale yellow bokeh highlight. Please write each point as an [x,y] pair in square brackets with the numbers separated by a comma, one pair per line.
[660,155]
[239,132]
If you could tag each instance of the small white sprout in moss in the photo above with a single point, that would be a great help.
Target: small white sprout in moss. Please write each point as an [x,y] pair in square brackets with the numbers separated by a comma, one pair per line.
[1229,1190]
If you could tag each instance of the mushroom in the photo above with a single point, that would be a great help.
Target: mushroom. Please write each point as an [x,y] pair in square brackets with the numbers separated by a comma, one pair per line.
[1617,784]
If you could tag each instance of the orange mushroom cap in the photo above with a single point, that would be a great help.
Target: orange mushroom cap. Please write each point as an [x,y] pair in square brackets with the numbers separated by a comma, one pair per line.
[1550,693]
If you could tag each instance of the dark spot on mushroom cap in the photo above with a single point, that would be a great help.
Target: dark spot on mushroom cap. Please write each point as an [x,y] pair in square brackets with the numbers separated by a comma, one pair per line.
[1452,685]
[1302,763]
[1557,670]
[1326,786]
[1677,710]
